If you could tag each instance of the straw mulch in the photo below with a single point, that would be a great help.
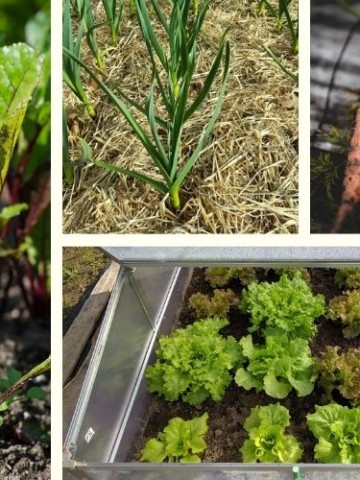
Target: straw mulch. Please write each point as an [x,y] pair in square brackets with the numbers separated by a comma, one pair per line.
[246,180]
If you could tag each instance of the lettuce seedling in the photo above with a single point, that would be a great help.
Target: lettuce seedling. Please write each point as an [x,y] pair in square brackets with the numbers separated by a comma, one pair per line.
[286,307]
[194,363]
[337,430]
[341,371]
[181,441]
[220,276]
[217,306]
[292,272]
[277,367]
[346,308]
[348,277]
[268,441]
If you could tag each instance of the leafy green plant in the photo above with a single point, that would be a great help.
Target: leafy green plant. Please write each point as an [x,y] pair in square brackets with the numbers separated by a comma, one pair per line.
[15,382]
[348,277]
[220,276]
[346,308]
[340,371]
[172,77]
[84,9]
[181,441]
[292,272]
[114,13]
[268,442]
[277,367]
[194,363]
[337,430]
[67,167]
[71,68]
[25,164]
[286,307]
[19,75]
[281,13]
[217,306]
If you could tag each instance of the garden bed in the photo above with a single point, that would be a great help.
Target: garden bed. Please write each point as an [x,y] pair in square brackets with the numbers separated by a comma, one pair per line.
[226,434]
[25,433]
[246,179]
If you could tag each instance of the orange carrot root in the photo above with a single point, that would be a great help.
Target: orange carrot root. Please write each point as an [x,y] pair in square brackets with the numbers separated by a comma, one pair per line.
[351,184]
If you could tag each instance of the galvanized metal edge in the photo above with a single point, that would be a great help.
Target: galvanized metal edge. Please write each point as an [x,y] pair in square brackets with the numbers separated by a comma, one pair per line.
[227,256]
[75,425]
[208,467]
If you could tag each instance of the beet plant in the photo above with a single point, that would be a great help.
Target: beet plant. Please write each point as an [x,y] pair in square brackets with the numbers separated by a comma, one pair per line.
[15,383]
[194,363]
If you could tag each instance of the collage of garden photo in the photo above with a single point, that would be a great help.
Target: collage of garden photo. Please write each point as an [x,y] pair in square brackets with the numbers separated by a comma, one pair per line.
[179,239]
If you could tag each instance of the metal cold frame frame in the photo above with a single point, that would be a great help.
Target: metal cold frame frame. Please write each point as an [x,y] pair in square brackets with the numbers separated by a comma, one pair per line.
[144,304]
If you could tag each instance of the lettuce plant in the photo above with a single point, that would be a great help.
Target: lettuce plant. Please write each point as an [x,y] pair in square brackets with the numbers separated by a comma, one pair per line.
[194,363]
[348,277]
[220,276]
[217,306]
[341,371]
[277,367]
[268,441]
[181,441]
[337,430]
[286,307]
[292,272]
[346,308]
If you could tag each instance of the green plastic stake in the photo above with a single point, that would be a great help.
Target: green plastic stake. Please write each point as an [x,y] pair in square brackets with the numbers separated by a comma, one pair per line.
[296,473]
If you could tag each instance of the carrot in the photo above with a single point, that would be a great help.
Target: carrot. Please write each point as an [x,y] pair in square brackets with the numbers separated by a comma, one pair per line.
[351,184]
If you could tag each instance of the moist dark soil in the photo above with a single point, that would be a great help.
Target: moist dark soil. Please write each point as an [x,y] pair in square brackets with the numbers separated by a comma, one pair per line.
[25,432]
[226,418]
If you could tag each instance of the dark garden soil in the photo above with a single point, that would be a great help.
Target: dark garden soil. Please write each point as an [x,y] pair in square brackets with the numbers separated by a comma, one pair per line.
[225,434]
[25,433]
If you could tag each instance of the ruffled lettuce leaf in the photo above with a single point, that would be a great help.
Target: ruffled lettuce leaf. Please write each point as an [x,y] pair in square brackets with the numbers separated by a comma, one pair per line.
[337,430]
[194,363]
[180,441]
[268,441]
[277,367]
[287,307]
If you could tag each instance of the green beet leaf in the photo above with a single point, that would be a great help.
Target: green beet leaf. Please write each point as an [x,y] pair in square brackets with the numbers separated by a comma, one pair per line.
[20,67]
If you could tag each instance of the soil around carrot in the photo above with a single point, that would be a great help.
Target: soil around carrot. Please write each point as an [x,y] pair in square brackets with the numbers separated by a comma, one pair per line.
[226,418]
[25,433]
[246,180]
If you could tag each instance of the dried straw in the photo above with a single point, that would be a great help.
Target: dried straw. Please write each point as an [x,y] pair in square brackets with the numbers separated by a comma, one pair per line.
[246,181]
